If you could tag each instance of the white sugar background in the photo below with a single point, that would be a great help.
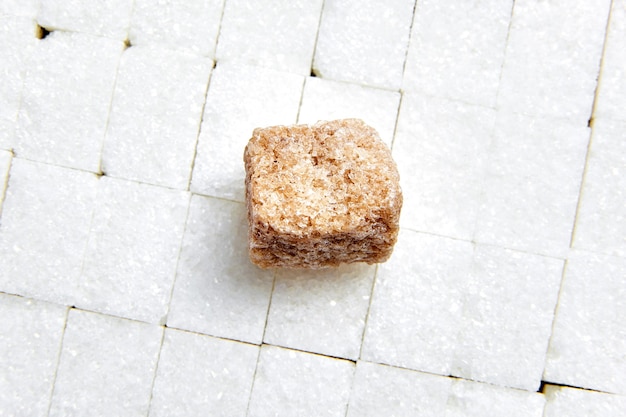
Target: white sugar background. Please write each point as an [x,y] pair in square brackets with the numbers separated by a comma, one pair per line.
[125,287]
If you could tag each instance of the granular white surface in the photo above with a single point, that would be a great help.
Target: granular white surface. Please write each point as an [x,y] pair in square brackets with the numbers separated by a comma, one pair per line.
[125,285]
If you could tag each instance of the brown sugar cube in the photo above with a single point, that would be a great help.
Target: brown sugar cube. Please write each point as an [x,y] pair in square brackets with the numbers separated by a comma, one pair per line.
[321,195]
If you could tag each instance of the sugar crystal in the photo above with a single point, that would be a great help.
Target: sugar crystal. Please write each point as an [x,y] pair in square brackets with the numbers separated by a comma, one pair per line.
[321,195]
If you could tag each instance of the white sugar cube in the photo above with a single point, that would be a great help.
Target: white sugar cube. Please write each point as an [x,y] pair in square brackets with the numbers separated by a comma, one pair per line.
[364,42]
[321,311]
[218,291]
[106,366]
[508,307]
[130,260]
[381,390]
[17,41]
[45,224]
[30,339]
[279,34]
[588,341]
[532,183]
[202,375]
[416,308]
[109,18]
[177,24]
[553,58]
[441,159]
[66,99]
[457,48]
[155,116]
[293,383]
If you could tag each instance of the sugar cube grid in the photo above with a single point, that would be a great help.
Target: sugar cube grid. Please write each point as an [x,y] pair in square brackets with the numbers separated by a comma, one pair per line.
[125,286]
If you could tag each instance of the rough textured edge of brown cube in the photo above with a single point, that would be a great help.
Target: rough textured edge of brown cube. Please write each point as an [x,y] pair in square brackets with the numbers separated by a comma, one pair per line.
[371,241]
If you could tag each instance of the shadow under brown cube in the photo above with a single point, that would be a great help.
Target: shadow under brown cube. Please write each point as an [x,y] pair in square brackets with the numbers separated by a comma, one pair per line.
[321,195]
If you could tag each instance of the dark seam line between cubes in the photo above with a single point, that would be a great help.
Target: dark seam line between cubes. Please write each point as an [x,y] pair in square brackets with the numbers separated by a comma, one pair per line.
[506,47]
[199,131]
[156,370]
[317,35]
[58,361]
[592,130]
